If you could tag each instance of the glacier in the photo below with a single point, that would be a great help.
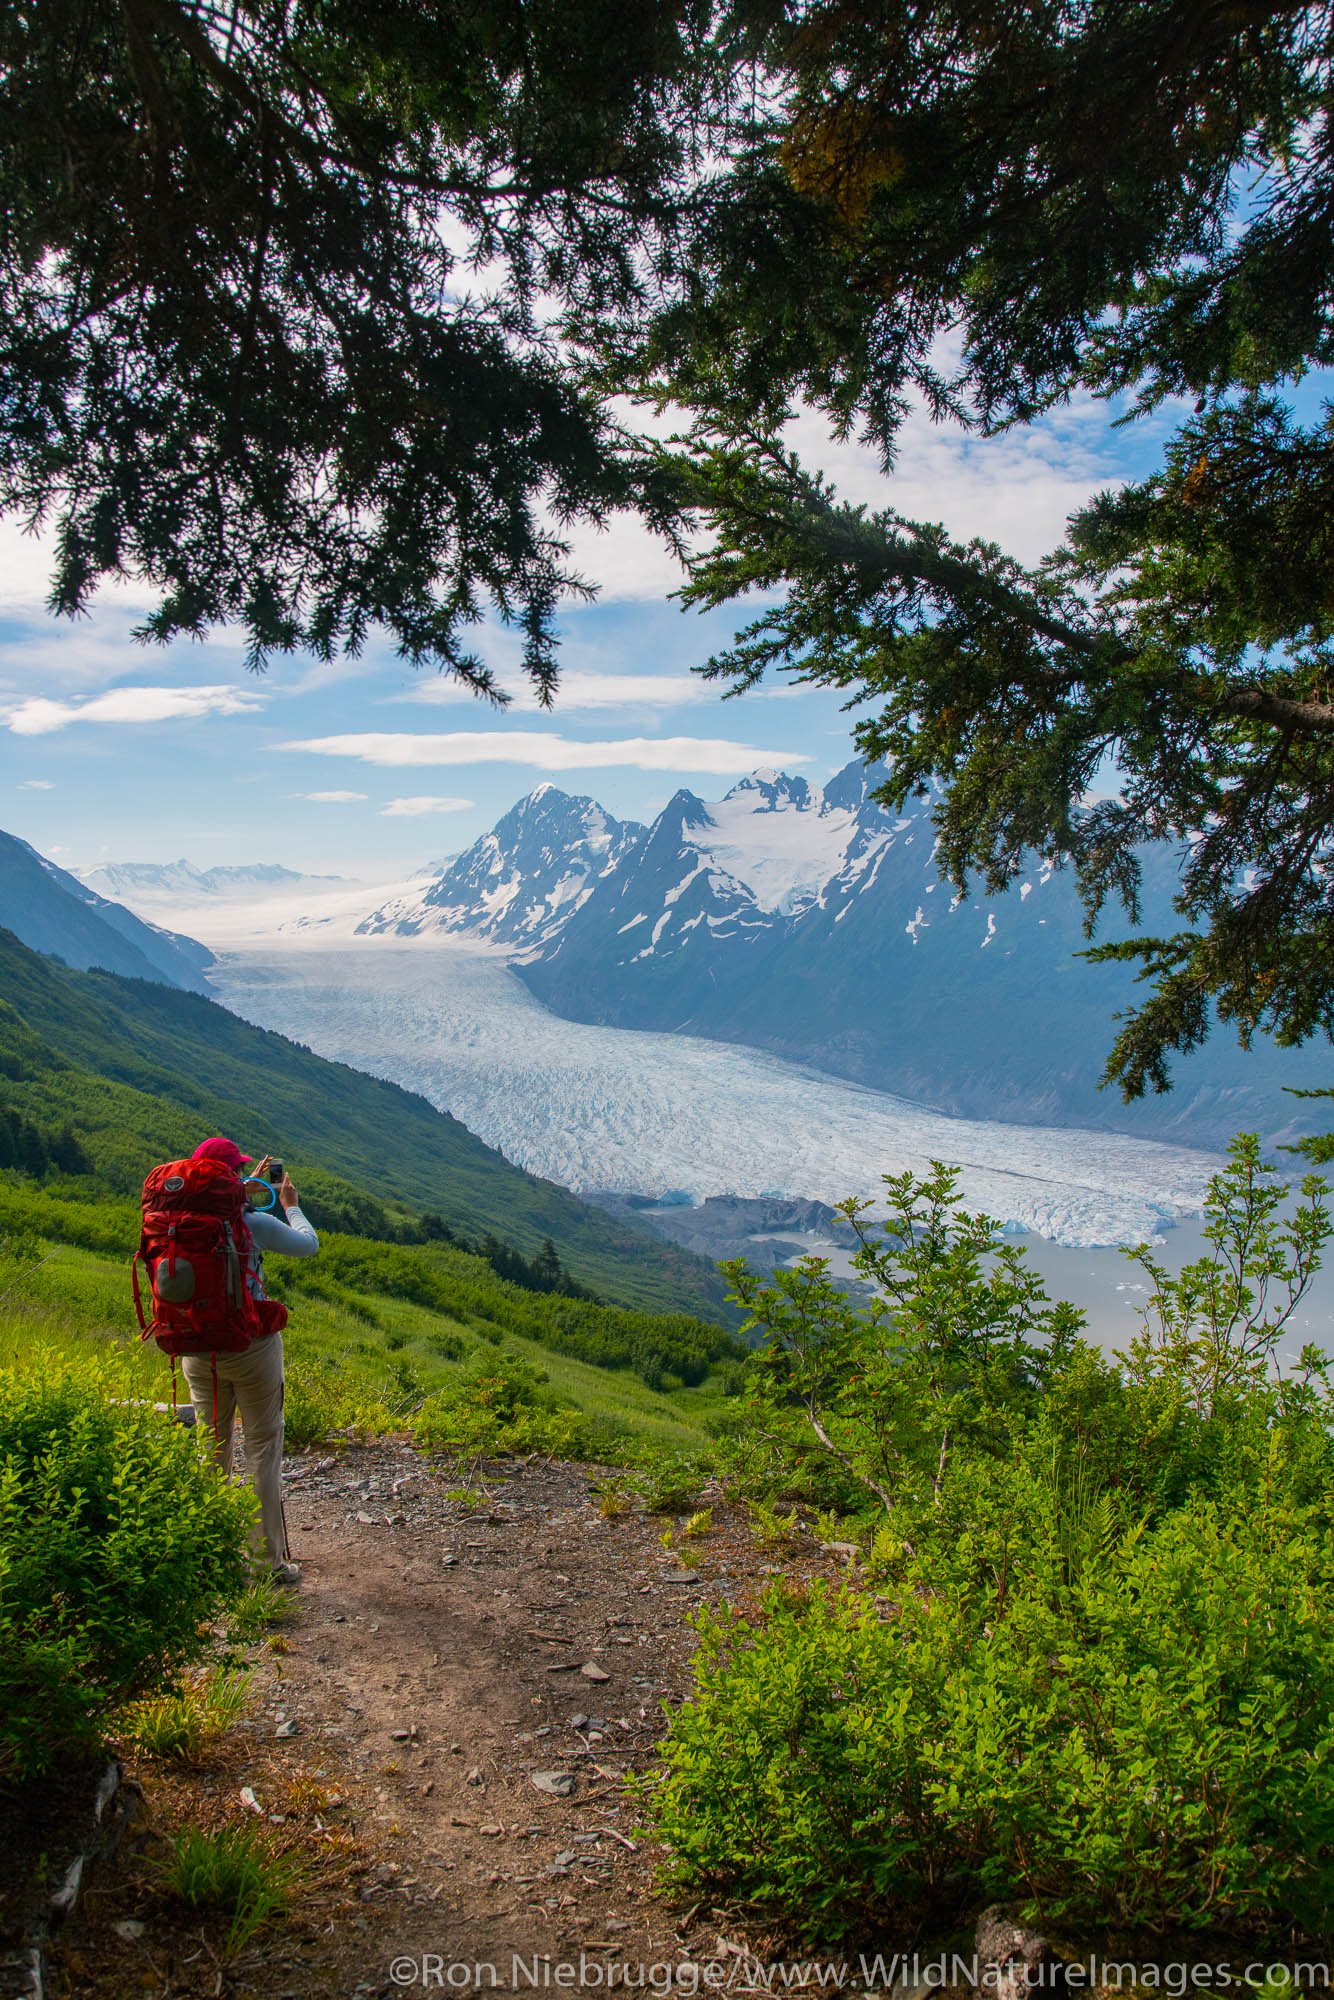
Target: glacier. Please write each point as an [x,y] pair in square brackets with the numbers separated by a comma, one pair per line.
[603,1109]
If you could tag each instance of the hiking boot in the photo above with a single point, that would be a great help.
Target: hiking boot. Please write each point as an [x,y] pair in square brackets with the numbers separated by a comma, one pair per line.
[288,1573]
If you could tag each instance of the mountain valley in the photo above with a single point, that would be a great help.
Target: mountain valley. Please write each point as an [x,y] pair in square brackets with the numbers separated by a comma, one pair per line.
[813,924]
[610,1111]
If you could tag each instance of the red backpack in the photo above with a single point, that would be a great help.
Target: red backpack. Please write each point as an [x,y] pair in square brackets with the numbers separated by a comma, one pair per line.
[195,1246]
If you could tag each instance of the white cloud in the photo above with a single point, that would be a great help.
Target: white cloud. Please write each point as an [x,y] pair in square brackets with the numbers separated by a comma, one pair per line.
[320,676]
[579,688]
[80,656]
[414,808]
[26,562]
[39,717]
[331,798]
[624,559]
[1017,489]
[550,753]
[37,785]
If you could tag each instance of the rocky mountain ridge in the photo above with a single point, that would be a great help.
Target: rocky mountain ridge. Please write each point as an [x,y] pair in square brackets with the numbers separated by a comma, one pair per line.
[521,882]
[813,923]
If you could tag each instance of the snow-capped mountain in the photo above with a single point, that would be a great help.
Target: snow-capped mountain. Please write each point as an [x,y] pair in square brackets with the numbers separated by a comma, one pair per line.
[563,881]
[173,882]
[755,865]
[520,883]
[814,924]
[785,840]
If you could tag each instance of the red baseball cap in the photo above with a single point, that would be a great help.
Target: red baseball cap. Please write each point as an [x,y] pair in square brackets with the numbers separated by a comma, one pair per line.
[225,1150]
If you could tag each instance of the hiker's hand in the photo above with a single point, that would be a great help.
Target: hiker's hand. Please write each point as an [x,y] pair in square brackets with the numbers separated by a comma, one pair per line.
[287,1193]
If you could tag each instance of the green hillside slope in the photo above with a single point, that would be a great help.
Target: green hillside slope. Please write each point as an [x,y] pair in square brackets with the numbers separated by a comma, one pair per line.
[142,1071]
[384,1337]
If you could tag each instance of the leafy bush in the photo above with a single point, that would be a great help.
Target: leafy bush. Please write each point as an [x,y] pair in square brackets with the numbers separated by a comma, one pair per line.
[447,1345]
[1101,1679]
[319,1403]
[670,1485]
[117,1541]
[499,1404]
[496,1404]
[1153,1744]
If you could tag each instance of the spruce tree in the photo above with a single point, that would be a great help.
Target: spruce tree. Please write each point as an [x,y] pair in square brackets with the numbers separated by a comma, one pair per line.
[282,288]
[30,1149]
[989,209]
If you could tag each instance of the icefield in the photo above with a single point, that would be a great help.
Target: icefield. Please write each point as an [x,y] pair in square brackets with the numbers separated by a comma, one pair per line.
[599,1108]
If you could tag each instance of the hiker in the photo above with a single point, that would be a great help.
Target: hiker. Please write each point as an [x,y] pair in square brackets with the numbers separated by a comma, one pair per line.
[220,1321]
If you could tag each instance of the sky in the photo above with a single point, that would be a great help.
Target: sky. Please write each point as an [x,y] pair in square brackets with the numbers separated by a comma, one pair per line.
[112,751]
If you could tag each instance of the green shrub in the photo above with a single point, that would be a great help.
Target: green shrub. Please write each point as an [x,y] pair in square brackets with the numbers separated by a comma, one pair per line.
[117,1541]
[237,1873]
[319,1404]
[670,1485]
[447,1345]
[403,1383]
[1105,1689]
[496,1404]
[1152,1746]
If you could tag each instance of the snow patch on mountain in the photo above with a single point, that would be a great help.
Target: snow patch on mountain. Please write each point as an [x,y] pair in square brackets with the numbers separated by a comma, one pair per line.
[521,882]
[603,1108]
[779,837]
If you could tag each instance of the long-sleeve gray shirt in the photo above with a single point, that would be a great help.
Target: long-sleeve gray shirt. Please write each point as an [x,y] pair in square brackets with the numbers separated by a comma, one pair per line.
[293,1238]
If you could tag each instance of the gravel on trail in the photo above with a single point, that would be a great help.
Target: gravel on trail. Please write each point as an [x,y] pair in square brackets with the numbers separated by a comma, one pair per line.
[475,1662]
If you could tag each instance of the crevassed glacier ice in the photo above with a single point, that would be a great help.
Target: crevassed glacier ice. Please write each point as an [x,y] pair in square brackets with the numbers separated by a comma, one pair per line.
[598,1108]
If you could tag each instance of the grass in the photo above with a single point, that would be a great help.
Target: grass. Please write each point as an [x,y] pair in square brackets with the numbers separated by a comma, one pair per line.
[236,1874]
[186,1724]
[265,1603]
[345,1373]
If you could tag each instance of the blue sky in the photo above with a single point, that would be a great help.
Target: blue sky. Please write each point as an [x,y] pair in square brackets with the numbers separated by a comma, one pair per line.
[110,751]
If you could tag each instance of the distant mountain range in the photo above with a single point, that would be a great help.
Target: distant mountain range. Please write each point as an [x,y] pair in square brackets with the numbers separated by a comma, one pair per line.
[56,913]
[814,924]
[177,881]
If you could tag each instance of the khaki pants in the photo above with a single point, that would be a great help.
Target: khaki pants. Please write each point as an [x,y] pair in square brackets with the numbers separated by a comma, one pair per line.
[251,1382]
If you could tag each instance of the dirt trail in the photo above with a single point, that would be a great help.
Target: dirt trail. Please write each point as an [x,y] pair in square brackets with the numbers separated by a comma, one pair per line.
[448,1649]
[471,1629]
